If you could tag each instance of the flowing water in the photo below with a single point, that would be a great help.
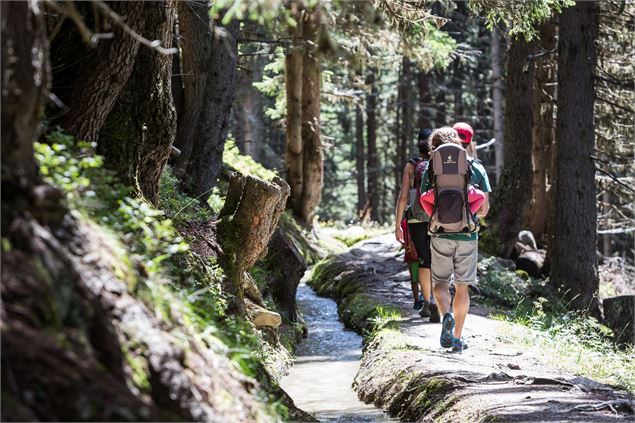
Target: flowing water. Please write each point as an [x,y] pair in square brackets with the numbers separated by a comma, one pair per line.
[326,364]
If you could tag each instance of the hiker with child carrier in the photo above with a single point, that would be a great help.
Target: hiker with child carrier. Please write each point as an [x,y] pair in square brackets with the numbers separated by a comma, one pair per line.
[450,196]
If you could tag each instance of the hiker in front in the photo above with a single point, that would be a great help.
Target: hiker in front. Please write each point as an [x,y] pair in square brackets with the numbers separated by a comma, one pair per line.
[453,227]
[416,229]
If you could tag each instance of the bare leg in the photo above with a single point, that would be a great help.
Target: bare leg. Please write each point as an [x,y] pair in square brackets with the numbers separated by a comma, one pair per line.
[461,307]
[442,295]
[425,280]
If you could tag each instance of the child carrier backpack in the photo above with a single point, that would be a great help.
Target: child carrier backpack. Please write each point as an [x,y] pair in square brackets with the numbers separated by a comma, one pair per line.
[450,172]
[415,211]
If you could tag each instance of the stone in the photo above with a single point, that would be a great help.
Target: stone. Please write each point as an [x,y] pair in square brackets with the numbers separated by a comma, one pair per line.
[532,262]
[619,315]
[261,317]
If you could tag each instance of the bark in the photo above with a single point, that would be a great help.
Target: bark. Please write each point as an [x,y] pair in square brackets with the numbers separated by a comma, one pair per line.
[497,97]
[209,94]
[618,315]
[245,230]
[513,190]
[313,155]
[573,237]
[440,116]
[542,133]
[138,135]
[247,114]
[407,129]
[423,85]
[371,140]
[293,85]
[25,81]
[360,161]
[96,90]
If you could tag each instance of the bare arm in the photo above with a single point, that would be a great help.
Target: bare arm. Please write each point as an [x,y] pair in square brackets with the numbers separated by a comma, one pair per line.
[402,201]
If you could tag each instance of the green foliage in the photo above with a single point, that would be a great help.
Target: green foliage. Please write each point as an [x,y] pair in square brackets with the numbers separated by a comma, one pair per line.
[272,85]
[178,206]
[245,164]
[521,17]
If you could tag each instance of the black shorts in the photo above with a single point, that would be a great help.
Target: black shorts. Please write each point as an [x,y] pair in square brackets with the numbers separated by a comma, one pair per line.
[421,240]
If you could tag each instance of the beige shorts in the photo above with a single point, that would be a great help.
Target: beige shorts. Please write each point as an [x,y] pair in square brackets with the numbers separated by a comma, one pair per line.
[450,256]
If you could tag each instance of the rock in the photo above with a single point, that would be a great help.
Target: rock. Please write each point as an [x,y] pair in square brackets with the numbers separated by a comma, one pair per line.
[527,238]
[513,366]
[287,266]
[532,262]
[619,313]
[262,317]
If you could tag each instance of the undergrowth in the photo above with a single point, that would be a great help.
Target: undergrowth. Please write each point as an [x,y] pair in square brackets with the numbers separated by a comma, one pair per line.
[179,286]
[574,341]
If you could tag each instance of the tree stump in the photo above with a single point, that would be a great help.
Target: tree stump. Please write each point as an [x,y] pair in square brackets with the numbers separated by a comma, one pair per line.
[249,216]
[619,315]
[287,266]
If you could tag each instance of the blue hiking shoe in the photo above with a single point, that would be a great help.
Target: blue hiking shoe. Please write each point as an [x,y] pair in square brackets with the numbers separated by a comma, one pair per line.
[446,330]
[418,303]
[458,345]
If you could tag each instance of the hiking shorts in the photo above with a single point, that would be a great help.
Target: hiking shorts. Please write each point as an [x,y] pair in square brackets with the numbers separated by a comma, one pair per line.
[451,256]
[420,238]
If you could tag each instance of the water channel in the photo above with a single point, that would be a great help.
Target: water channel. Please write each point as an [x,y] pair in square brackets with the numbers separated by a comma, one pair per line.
[326,364]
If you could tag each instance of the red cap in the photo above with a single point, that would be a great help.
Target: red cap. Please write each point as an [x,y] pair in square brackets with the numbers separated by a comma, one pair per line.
[465,132]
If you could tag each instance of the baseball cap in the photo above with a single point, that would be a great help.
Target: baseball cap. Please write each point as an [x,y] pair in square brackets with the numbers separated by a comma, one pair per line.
[425,133]
[465,132]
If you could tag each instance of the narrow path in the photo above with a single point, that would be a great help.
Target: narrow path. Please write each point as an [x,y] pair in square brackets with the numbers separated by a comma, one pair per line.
[326,364]
[409,374]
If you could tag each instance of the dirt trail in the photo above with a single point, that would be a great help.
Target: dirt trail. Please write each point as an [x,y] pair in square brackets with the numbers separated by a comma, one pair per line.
[411,376]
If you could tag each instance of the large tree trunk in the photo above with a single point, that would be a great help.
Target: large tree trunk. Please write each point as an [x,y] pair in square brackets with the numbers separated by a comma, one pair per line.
[25,81]
[513,190]
[95,92]
[371,143]
[216,64]
[360,161]
[313,155]
[440,116]
[542,133]
[497,98]
[138,135]
[293,86]
[573,237]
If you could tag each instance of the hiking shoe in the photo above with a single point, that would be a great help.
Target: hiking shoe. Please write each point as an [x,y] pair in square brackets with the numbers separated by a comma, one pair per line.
[418,304]
[434,313]
[458,345]
[425,310]
[446,330]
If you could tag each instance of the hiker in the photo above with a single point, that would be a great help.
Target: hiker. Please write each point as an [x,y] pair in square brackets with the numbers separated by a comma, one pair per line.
[453,228]
[408,207]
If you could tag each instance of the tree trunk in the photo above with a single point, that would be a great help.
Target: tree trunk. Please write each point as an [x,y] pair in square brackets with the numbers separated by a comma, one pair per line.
[407,107]
[542,134]
[293,86]
[360,161]
[220,70]
[25,81]
[573,253]
[371,140]
[313,155]
[440,116]
[497,97]
[96,90]
[245,230]
[425,119]
[137,137]
[513,190]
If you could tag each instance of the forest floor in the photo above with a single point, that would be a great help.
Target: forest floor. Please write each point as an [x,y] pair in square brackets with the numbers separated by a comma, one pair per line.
[406,372]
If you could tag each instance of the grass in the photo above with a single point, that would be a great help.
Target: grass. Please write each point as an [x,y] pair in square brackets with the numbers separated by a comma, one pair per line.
[571,341]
